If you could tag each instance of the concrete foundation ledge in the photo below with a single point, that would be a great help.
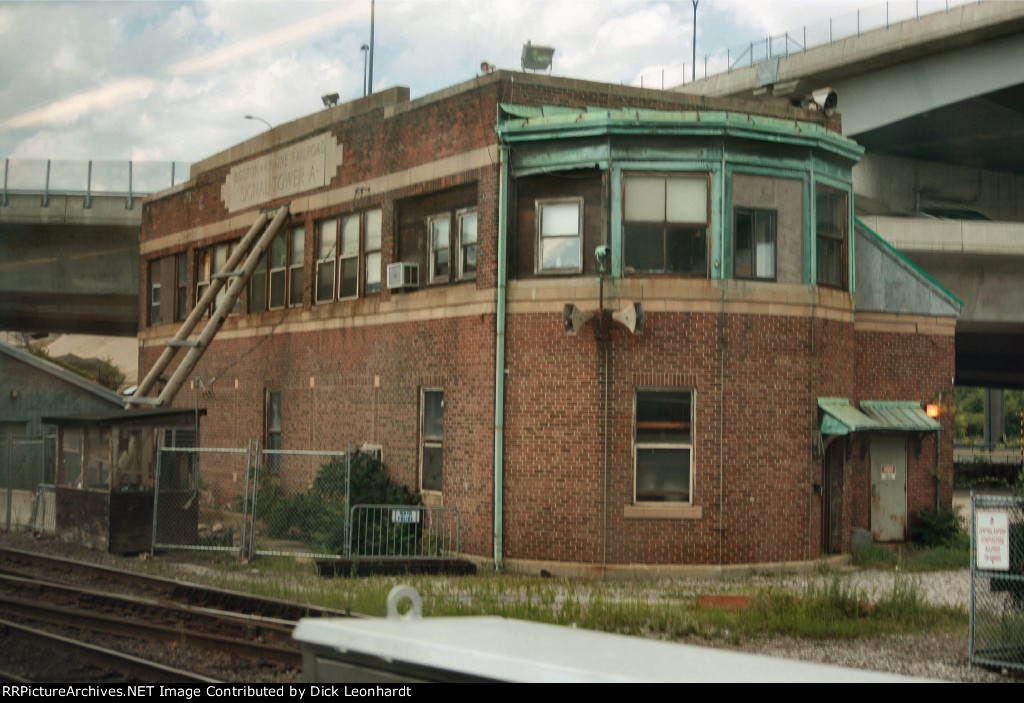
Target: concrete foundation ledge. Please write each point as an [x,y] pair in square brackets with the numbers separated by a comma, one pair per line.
[641,572]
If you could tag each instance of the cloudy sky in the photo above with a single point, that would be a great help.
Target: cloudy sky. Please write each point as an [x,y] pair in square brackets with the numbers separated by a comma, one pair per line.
[173,80]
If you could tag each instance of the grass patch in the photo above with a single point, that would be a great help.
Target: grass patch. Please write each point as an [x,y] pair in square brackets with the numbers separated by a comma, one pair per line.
[913,559]
[823,607]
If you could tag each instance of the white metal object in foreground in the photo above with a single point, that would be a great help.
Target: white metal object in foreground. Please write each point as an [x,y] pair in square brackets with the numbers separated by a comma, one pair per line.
[410,648]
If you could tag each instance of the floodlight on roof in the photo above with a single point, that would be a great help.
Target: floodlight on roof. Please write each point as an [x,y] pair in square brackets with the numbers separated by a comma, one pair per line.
[330,100]
[537,58]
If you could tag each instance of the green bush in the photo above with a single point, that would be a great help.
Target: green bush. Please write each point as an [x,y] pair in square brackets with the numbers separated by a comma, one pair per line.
[319,516]
[939,528]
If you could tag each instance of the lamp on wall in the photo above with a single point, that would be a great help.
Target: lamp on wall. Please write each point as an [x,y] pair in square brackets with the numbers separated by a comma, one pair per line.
[932,410]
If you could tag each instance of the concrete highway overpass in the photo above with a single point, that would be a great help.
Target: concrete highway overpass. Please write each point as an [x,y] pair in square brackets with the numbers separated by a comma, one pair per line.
[938,103]
[69,237]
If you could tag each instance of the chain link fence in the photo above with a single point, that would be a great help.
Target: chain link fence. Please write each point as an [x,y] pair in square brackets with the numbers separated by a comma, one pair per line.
[997,581]
[26,483]
[202,498]
[300,501]
[276,502]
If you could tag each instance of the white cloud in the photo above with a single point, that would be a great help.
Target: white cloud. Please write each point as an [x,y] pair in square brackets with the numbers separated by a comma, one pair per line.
[266,41]
[74,107]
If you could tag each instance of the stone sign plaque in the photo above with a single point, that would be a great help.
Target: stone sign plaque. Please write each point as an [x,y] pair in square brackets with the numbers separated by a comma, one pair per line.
[294,169]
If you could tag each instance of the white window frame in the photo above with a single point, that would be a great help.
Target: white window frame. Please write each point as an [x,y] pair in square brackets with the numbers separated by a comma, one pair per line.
[431,249]
[460,217]
[434,442]
[325,259]
[540,205]
[349,256]
[154,304]
[373,271]
[204,277]
[367,261]
[296,236]
[672,445]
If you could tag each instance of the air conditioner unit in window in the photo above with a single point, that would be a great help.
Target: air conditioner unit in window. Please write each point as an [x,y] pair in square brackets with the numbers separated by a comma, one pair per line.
[403,275]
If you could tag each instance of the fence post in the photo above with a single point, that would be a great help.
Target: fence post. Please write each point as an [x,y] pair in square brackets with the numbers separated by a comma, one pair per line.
[348,502]
[245,499]
[88,187]
[7,167]
[156,490]
[7,482]
[46,187]
[255,493]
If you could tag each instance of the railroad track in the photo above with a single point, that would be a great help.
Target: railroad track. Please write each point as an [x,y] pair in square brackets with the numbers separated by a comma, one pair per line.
[82,662]
[252,633]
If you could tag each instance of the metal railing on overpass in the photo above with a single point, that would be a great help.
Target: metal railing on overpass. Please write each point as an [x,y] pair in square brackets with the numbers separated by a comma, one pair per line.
[988,454]
[851,24]
[127,179]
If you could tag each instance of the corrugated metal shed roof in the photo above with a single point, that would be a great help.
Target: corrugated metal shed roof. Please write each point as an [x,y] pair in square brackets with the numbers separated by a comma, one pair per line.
[842,418]
[900,415]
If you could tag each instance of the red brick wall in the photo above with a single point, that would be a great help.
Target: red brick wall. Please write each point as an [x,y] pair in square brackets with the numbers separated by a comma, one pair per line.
[766,415]
[919,367]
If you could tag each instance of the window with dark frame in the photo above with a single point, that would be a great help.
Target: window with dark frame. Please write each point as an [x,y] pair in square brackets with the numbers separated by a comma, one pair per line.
[754,237]
[181,287]
[560,235]
[273,424]
[348,256]
[830,236]
[665,223]
[663,446]
[467,226]
[431,439]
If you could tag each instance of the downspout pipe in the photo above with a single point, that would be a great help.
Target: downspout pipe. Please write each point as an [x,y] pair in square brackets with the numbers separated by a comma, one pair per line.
[499,360]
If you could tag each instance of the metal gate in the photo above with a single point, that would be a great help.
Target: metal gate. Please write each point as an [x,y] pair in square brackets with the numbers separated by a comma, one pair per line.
[997,581]
[404,532]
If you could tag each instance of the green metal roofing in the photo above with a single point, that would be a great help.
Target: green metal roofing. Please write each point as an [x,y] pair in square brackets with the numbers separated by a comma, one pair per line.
[840,417]
[529,123]
[900,415]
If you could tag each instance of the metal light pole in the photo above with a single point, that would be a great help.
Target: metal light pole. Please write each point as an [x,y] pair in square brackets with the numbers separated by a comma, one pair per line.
[693,76]
[369,75]
[260,119]
[364,48]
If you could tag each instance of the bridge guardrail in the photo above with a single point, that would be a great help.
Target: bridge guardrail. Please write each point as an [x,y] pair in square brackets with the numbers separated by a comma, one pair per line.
[128,179]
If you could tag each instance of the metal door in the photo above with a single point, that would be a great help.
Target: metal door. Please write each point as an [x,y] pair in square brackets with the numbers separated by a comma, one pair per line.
[889,487]
[832,498]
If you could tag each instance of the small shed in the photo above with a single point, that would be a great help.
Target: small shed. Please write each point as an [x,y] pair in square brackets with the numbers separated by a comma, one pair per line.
[107,476]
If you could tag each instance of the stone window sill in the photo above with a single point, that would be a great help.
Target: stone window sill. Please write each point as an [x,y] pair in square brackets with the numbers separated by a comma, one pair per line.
[663,511]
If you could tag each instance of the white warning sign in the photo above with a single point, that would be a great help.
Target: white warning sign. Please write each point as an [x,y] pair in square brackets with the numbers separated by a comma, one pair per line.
[992,534]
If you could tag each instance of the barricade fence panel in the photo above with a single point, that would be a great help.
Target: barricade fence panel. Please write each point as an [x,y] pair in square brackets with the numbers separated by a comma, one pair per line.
[997,581]
[201,499]
[404,532]
[26,483]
